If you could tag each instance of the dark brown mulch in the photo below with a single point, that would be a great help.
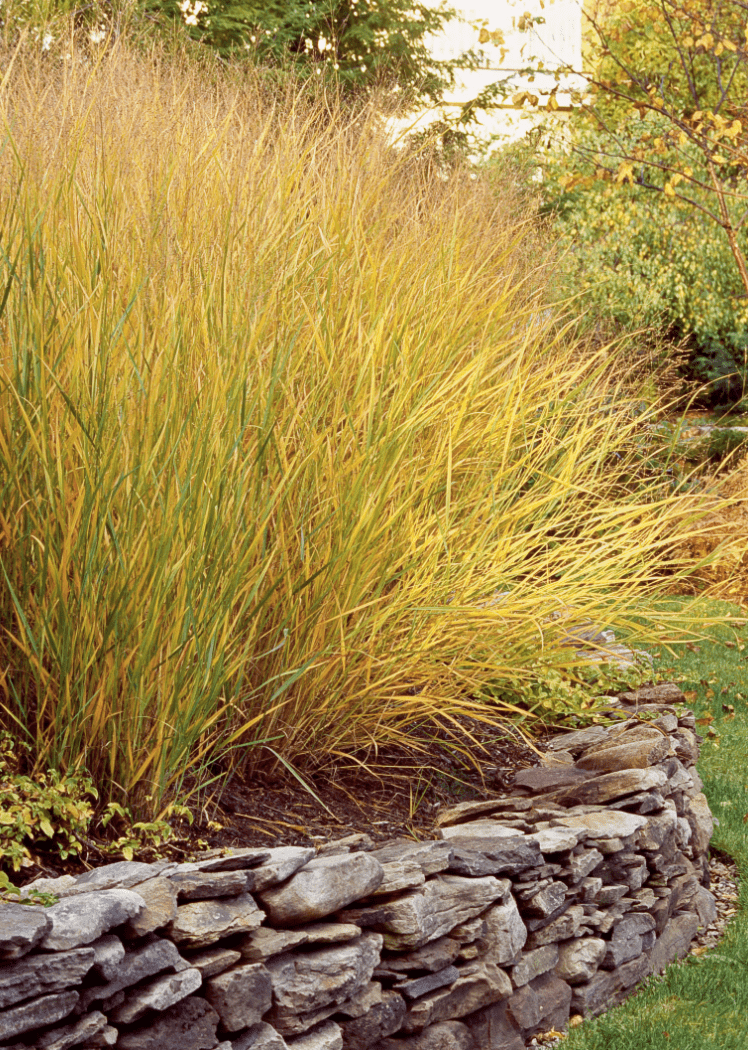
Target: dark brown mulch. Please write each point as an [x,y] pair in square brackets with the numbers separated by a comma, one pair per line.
[393,793]
[397,793]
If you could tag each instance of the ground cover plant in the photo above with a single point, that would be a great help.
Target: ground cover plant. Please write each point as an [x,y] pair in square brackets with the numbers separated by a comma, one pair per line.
[701,1003]
[292,458]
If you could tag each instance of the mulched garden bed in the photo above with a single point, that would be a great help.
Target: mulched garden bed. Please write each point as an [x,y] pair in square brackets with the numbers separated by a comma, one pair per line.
[395,792]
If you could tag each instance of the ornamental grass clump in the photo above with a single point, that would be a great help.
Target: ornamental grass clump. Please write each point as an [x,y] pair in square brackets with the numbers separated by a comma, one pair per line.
[291,460]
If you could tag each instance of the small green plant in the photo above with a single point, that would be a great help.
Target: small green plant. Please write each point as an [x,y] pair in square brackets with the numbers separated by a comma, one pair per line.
[138,835]
[578,695]
[52,809]
[723,442]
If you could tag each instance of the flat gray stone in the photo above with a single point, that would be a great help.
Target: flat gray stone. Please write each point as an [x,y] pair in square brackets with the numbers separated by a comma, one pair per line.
[560,929]
[534,963]
[122,875]
[700,819]
[160,900]
[324,886]
[283,862]
[546,901]
[626,943]
[384,1018]
[485,829]
[414,988]
[504,934]
[358,840]
[240,996]
[91,1030]
[628,754]
[139,963]
[432,857]
[157,994]
[493,1028]
[611,894]
[674,942]
[60,887]
[705,905]
[231,858]
[22,927]
[327,1036]
[466,811]
[189,1025]
[362,1001]
[604,825]
[479,984]
[203,923]
[36,1013]
[540,779]
[431,958]
[399,875]
[478,856]
[578,741]
[212,961]
[38,975]
[611,786]
[579,960]
[306,985]
[607,989]
[542,1004]
[666,693]
[265,942]
[206,885]
[554,840]
[260,1036]
[582,863]
[443,1035]
[430,911]
[79,920]
[109,951]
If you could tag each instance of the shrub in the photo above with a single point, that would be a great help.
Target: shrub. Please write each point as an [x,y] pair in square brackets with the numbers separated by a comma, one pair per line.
[642,260]
[50,809]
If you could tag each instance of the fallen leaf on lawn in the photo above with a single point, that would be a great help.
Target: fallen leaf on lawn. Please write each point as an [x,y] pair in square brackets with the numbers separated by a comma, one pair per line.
[705,720]
[690,695]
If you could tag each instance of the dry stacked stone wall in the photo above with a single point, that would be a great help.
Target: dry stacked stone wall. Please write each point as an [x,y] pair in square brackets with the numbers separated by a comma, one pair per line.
[555,900]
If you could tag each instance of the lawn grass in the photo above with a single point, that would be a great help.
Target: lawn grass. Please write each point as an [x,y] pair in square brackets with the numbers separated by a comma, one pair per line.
[702,1002]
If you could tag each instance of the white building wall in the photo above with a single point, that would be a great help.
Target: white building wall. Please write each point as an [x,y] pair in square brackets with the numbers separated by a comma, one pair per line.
[556,43]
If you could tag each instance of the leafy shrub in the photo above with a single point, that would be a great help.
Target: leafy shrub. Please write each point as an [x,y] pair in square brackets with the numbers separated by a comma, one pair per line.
[49,809]
[643,259]
[723,441]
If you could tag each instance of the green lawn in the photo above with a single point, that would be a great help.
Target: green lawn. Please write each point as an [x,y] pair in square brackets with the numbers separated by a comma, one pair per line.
[701,1003]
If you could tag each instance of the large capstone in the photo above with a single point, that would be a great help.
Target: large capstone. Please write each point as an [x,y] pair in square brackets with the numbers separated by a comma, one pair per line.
[321,888]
